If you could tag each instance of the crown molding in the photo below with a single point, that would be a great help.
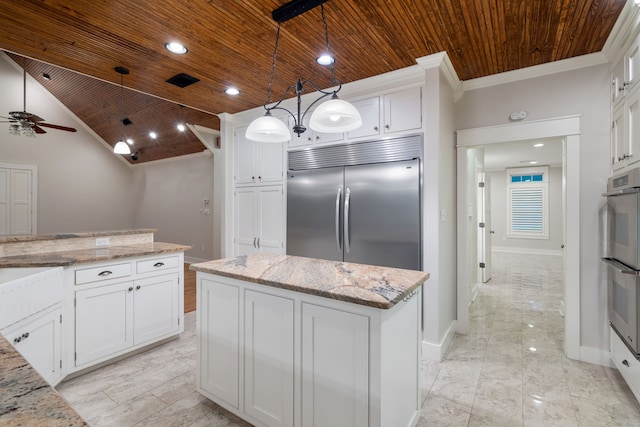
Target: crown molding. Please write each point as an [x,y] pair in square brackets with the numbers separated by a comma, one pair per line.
[442,61]
[625,29]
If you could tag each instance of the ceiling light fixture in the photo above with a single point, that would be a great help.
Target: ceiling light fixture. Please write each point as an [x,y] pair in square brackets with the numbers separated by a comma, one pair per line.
[121,146]
[538,145]
[181,127]
[232,91]
[177,48]
[325,59]
[46,76]
[153,135]
[334,115]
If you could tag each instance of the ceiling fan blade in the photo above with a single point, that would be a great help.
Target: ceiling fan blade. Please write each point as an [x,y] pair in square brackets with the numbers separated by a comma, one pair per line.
[33,118]
[48,125]
[38,129]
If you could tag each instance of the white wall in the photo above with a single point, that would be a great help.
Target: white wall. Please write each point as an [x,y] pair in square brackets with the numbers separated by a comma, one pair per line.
[499,217]
[81,185]
[168,195]
[585,92]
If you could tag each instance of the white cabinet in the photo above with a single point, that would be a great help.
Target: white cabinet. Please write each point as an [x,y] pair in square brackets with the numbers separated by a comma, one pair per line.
[311,136]
[257,162]
[369,110]
[218,324]
[625,131]
[402,110]
[259,224]
[117,315]
[268,358]
[335,364]
[626,363]
[38,339]
[625,74]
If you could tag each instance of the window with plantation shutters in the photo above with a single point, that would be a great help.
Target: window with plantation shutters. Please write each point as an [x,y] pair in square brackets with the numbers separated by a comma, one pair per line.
[527,190]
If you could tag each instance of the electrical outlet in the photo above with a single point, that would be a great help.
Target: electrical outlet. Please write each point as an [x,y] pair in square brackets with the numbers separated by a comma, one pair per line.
[102,241]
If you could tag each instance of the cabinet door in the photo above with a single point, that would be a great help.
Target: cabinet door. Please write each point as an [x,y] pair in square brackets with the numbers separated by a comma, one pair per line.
[618,138]
[155,307]
[335,368]
[632,107]
[270,219]
[246,158]
[268,358]
[219,340]
[270,162]
[103,321]
[37,338]
[369,110]
[633,66]
[403,110]
[617,81]
[246,225]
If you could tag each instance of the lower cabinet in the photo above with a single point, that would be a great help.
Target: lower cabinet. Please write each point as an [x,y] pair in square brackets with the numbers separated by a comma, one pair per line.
[113,318]
[38,339]
[281,358]
[626,363]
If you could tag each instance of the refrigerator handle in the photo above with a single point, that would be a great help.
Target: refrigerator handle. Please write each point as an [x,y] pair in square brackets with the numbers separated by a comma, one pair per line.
[338,197]
[346,220]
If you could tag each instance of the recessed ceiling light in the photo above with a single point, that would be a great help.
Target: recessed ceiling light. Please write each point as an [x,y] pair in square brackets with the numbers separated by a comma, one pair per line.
[46,76]
[181,127]
[232,91]
[325,59]
[538,145]
[177,48]
[533,162]
[153,135]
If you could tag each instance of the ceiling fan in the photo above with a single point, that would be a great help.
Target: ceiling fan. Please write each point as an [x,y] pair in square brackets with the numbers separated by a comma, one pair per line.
[24,123]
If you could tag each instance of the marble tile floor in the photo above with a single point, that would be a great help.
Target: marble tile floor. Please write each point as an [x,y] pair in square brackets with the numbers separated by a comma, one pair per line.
[509,370]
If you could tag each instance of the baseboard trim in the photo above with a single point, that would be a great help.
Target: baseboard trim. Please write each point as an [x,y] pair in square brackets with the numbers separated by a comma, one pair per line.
[508,249]
[596,356]
[436,352]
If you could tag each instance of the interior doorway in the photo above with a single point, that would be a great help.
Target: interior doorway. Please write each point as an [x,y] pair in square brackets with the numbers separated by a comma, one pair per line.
[469,142]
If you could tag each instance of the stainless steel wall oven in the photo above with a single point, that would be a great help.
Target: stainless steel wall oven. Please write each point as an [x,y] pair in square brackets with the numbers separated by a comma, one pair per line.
[623,256]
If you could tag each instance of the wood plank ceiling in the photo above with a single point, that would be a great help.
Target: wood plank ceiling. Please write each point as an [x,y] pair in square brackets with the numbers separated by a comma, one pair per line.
[231,43]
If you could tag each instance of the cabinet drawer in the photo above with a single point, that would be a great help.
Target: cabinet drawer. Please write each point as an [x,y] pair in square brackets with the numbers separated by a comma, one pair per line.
[626,363]
[103,272]
[157,264]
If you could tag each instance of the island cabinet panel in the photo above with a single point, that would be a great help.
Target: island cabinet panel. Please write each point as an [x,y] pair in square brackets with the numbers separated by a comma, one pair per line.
[219,343]
[269,358]
[335,365]
[156,307]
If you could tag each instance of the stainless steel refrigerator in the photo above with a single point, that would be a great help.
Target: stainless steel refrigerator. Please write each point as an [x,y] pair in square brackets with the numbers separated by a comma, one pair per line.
[357,203]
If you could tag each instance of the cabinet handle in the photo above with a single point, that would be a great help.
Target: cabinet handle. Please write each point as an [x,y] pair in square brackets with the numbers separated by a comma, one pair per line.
[138,288]
[130,288]
[317,138]
[105,273]
[159,264]
[253,178]
[17,340]
[625,363]
[387,127]
[375,128]
[309,139]
[259,178]
[258,242]
[254,242]
[25,335]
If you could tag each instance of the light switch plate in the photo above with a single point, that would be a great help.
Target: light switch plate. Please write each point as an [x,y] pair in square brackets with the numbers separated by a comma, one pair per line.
[102,241]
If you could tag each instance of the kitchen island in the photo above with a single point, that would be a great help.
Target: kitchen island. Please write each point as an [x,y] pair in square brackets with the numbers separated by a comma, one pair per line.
[292,341]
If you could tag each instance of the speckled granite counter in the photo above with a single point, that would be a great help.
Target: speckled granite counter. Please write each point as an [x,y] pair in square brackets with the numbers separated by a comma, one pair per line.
[79,256]
[58,236]
[373,286]
[26,399]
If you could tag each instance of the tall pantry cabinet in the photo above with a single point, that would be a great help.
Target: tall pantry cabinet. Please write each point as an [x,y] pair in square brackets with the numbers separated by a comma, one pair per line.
[258,196]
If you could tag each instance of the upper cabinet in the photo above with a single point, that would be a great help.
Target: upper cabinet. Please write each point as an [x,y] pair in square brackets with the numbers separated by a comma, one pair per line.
[390,113]
[625,74]
[257,162]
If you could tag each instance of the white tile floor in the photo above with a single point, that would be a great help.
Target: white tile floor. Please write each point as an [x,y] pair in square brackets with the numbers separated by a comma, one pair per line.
[490,377]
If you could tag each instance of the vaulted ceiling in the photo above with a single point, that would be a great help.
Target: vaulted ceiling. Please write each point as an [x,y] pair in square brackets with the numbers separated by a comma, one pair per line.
[230,42]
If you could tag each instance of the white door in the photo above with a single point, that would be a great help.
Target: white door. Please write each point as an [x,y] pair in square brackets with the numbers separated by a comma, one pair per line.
[270,214]
[268,358]
[104,323]
[335,368]
[218,340]
[484,228]
[17,199]
[155,307]
[246,223]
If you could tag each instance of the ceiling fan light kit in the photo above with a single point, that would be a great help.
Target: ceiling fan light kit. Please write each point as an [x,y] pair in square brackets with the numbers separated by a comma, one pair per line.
[334,115]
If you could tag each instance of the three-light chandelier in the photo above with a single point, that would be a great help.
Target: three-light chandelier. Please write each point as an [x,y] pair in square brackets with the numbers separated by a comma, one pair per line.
[332,116]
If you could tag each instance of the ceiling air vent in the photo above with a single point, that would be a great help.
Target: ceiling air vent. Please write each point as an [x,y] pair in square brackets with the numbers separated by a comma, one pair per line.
[183,80]
[126,121]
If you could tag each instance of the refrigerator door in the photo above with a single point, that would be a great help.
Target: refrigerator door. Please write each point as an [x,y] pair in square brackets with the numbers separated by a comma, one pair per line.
[314,213]
[382,214]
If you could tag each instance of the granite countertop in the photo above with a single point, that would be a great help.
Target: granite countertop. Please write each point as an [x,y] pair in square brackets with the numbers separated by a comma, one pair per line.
[25,397]
[374,286]
[36,237]
[81,256]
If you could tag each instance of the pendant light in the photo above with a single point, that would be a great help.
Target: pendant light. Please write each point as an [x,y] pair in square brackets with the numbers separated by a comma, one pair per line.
[121,146]
[334,115]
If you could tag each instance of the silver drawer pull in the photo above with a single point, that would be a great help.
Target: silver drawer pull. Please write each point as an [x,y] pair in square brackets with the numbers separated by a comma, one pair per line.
[105,273]
[625,363]
[159,264]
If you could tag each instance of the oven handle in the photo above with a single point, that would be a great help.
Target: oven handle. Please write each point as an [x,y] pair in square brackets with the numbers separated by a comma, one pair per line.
[620,267]
[632,190]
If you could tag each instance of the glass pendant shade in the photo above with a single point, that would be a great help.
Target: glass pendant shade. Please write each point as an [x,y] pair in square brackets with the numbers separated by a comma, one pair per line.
[268,129]
[122,147]
[335,115]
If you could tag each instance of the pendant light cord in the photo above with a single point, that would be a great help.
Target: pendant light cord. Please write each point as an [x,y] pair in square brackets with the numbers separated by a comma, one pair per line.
[121,107]
[326,37]
[273,67]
